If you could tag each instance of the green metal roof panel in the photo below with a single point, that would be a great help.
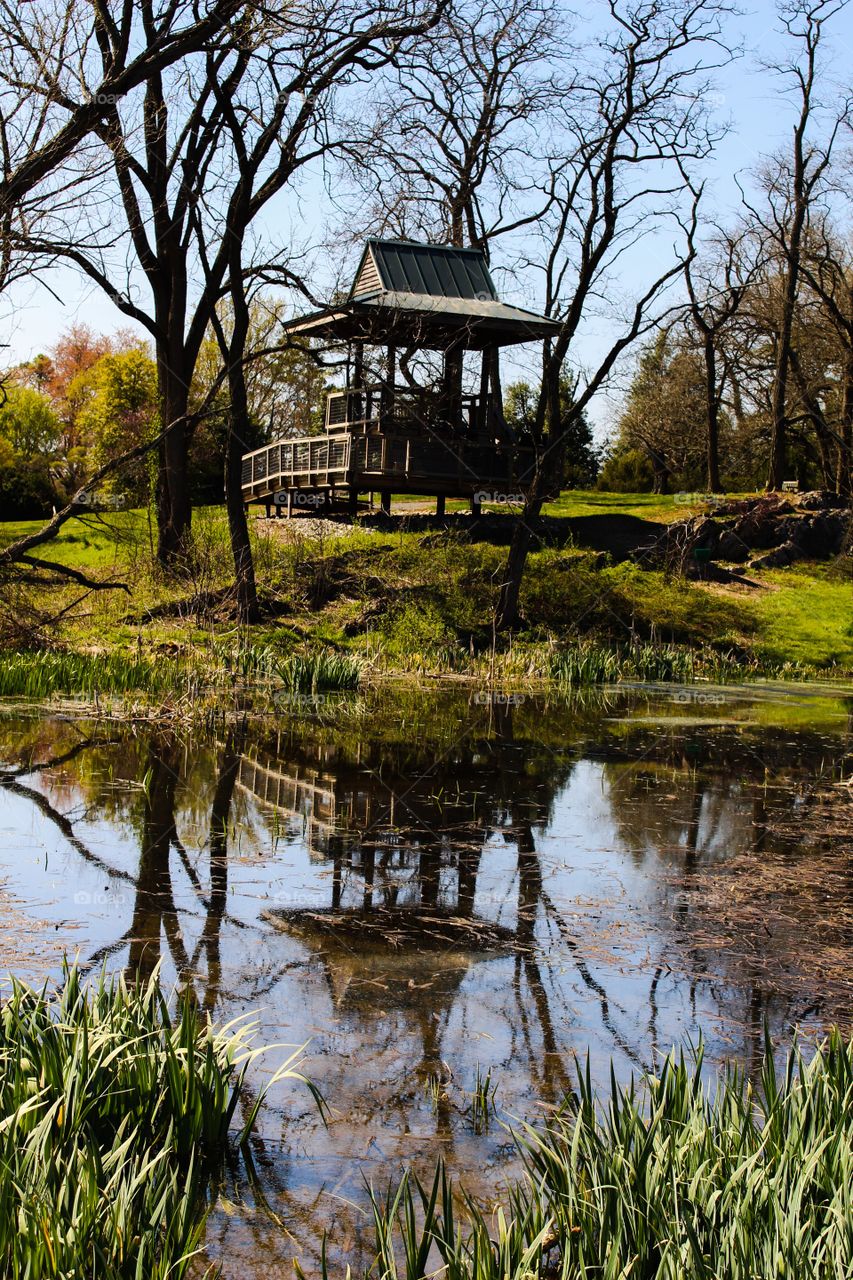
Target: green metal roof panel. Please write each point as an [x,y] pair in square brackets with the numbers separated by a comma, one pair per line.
[438,270]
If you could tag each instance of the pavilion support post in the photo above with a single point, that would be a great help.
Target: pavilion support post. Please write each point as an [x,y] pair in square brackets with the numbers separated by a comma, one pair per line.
[440,505]
[484,415]
[289,503]
[475,505]
[352,502]
[391,376]
[496,403]
[453,385]
[385,502]
[357,412]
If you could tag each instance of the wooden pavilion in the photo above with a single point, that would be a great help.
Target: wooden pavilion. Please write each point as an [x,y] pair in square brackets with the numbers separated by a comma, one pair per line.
[383,435]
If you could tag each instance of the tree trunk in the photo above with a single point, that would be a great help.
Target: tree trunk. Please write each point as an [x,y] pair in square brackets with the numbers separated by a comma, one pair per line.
[713,407]
[793,258]
[660,470]
[826,453]
[173,497]
[844,464]
[507,610]
[238,528]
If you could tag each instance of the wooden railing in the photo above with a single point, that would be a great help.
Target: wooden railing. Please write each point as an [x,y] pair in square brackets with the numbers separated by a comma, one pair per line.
[377,460]
[407,408]
[375,440]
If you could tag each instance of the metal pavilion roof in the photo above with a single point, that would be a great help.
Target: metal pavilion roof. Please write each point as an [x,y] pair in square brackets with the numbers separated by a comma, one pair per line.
[436,270]
[424,295]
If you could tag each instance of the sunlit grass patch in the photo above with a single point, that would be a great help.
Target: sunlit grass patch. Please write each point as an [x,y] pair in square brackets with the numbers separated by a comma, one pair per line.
[808,617]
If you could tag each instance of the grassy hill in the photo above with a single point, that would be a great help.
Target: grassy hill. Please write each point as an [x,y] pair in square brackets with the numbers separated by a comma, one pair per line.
[423,599]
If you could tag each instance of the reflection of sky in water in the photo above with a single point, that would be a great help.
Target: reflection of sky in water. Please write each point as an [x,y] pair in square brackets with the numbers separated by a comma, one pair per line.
[586,848]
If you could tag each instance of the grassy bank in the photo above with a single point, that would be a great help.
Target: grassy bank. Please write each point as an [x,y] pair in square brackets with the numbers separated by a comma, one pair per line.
[399,600]
[664,1180]
[115,1114]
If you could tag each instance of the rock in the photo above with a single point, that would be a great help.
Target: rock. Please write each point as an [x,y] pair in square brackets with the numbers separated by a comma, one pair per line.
[820,535]
[731,547]
[780,558]
[820,500]
[758,526]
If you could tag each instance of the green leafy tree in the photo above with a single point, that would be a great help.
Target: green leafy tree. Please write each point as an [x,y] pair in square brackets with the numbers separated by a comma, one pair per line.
[29,433]
[119,411]
[29,425]
[581,462]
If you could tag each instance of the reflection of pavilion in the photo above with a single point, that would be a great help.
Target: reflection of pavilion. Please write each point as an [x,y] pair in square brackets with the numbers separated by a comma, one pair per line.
[403,830]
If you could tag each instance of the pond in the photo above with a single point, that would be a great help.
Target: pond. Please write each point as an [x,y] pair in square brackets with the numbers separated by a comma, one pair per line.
[435,888]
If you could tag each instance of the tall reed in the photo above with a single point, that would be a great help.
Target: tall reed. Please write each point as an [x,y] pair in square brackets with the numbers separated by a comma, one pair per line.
[114,1114]
[588,662]
[666,1180]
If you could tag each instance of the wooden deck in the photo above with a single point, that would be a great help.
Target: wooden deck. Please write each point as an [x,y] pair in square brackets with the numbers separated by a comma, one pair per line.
[403,444]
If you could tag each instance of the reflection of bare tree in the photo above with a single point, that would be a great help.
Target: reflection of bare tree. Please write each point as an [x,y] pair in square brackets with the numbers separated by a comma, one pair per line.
[218,846]
[154,907]
[64,824]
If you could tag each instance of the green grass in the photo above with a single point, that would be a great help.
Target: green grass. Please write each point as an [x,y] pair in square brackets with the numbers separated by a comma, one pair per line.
[93,541]
[648,506]
[116,1113]
[808,616]
[396,601]
[661,1180]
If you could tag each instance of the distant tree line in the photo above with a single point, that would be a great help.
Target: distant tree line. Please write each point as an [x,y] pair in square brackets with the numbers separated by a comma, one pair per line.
[92,397]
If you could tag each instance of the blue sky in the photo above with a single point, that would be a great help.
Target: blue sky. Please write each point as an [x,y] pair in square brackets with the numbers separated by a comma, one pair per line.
[746,94]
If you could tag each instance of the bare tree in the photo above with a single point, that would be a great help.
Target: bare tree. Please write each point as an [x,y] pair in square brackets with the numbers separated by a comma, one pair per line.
[267,149]
[631,126]
[62,70]
[715,295]
[444,153]
[195,156]
[795,185]
[827,266]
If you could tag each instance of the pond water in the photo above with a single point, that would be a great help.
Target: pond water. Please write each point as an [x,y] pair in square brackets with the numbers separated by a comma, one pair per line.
[429,886]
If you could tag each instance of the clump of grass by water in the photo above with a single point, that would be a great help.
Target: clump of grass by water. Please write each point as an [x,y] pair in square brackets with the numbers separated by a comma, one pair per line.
[588,663]
[482,1100]
[663,1179]
[323,671]
[115,1114]
[44,673]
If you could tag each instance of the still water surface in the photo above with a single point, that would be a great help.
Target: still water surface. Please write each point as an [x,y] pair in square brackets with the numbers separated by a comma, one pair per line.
[428,885]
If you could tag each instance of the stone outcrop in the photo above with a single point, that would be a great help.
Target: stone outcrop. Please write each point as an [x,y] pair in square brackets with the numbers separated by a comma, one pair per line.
[797,526]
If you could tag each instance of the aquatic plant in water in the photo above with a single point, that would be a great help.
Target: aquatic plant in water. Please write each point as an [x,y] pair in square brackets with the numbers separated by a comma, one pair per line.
[114,1114]
[662,1179]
